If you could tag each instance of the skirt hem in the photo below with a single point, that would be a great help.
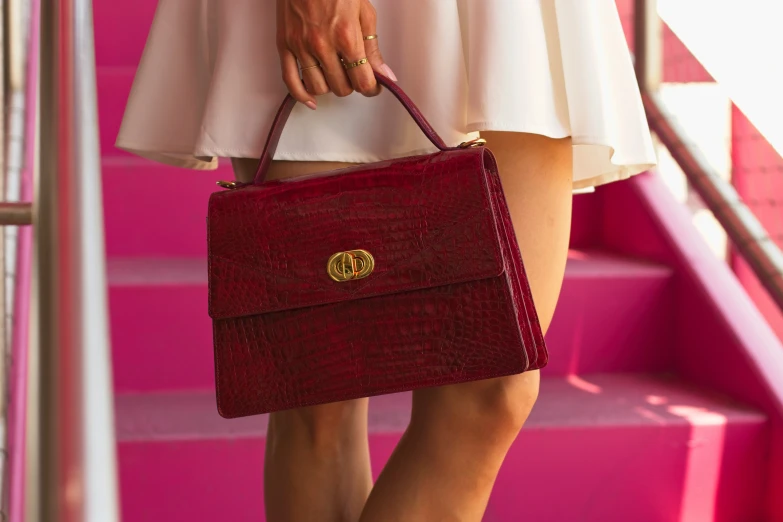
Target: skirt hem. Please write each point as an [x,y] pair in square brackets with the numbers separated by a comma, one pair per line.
[206,159]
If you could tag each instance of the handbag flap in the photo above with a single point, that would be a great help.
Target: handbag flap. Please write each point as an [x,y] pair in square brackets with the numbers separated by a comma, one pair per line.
[427,221]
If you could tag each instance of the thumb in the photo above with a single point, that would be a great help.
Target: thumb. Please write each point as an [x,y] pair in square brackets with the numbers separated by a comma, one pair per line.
[368,22]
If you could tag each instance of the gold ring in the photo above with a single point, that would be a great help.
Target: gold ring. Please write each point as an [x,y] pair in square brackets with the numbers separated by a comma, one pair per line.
[355,64]
[371,37]
[310,67]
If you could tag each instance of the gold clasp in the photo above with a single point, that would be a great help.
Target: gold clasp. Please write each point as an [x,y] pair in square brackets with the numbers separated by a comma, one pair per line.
[476,142]
[352,264]
[227,184]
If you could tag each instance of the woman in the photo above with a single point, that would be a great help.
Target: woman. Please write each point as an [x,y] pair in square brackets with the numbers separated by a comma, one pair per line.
[548,83]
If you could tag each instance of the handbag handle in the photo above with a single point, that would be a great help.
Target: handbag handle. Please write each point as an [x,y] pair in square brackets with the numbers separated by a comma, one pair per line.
[289,102]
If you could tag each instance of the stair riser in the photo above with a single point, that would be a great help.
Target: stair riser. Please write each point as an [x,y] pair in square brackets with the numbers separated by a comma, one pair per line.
[170,326]
[158,211]
[611,324]
[161,338]
[677,474]
[610,474]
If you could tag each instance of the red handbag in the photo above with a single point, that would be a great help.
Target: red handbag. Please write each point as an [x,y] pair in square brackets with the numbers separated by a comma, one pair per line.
[367,280]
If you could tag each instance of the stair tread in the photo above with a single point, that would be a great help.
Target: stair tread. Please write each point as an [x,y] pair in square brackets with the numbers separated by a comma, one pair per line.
[154,271]
[592,401]
[597,263]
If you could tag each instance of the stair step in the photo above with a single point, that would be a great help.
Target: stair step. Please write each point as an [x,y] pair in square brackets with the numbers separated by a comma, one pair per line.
[611,318]
[608,447]
[156,210]
[613,314]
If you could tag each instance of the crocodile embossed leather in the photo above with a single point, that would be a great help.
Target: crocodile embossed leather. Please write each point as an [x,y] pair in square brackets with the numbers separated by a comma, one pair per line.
[374,279]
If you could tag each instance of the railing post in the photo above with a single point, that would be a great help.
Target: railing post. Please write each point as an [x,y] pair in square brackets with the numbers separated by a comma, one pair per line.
[48,458]
[648,44]
[97,399]
[71,457]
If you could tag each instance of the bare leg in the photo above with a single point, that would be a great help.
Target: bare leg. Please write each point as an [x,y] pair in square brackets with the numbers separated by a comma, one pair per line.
[446,463]
[317,464]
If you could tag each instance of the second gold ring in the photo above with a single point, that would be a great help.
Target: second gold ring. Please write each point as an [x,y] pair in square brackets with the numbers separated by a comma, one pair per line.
[354,64]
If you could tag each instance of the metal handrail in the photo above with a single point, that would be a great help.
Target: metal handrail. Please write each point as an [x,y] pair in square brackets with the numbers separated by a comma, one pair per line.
[72,471]
[742,227]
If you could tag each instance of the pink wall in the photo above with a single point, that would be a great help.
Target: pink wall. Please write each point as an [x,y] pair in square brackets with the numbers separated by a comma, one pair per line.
[758,176]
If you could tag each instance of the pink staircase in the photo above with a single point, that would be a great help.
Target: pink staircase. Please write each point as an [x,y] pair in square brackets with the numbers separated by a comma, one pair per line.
[659,403]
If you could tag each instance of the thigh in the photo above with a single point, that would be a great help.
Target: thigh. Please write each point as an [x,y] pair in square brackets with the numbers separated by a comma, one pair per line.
[537,177]
[536,174]
[245,168]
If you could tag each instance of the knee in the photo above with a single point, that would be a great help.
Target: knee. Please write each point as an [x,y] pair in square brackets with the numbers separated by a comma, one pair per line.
[504,404]
[498,406]
[326,426]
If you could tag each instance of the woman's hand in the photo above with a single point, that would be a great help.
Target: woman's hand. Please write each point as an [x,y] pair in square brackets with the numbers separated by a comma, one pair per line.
[321,32]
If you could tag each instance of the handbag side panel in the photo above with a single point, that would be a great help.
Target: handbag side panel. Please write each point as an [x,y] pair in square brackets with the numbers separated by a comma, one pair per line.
[519,287]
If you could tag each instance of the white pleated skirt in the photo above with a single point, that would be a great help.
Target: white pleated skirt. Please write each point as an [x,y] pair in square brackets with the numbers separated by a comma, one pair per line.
[209,85]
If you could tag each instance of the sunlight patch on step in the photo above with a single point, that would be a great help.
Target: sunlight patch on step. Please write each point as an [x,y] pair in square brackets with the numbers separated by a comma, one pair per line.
[581,384]
[705,448]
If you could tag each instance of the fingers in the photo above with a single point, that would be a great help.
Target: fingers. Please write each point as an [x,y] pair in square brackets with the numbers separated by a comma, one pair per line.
[303,43]
[335,75]
[372,49]
[314,81]
[313,77]
[290,70]
[350,45]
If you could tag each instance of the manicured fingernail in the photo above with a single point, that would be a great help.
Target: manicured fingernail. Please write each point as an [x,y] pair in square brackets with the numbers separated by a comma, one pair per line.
[388,72]
[310,104]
